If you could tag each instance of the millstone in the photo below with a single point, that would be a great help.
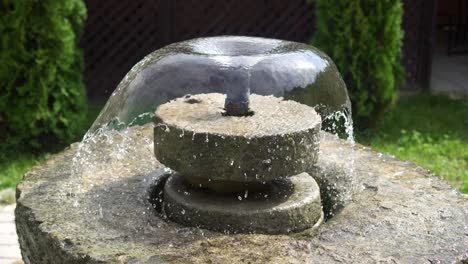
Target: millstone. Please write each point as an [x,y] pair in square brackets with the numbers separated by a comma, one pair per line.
[287,205]
[193,137]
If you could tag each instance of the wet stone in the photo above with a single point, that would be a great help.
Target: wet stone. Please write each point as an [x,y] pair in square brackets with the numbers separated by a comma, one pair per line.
[283,206]
[390,211]
[279,139]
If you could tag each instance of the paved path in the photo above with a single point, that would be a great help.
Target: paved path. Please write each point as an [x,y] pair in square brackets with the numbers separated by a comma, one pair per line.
[9,247]
[450,75]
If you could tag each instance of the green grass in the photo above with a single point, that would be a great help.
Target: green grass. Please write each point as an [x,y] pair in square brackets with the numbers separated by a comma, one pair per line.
[15,161]
[431,131]
[12,168]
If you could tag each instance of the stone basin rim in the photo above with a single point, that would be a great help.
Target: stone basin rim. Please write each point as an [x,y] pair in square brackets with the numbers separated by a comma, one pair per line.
[50,230]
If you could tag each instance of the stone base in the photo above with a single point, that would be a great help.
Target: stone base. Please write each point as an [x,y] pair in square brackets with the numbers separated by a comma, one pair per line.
[396,213]
[288,205]
[224,186]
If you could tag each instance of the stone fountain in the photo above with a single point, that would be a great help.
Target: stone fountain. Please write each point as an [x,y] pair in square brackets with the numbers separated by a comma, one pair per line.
[262,153]
[252,177]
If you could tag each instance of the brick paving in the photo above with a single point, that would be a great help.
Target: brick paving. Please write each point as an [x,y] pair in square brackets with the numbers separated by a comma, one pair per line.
[9,247]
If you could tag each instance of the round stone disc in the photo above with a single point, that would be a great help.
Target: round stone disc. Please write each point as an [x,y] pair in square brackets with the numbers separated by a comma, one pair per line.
[194,137]
[289,205]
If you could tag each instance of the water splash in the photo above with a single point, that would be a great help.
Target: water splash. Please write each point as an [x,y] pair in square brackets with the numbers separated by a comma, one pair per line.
[108,148]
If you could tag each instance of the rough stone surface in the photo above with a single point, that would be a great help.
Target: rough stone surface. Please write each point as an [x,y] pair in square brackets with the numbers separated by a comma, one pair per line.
[398,213]
[280,139]
[287,205]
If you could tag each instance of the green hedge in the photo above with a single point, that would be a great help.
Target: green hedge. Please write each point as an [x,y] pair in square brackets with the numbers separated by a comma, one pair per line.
[42,98]
[364,39]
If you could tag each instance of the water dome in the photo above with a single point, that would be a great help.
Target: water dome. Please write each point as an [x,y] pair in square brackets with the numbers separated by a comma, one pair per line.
[235,66]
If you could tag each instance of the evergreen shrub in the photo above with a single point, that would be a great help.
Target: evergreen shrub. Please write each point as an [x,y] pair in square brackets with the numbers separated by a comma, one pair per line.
[42,95]
[364,38]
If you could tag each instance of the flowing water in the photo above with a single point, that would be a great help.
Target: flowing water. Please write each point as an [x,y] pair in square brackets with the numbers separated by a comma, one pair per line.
[108,148]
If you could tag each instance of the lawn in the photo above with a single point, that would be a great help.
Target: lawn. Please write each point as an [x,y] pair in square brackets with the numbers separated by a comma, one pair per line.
[13,166]
[431,131]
